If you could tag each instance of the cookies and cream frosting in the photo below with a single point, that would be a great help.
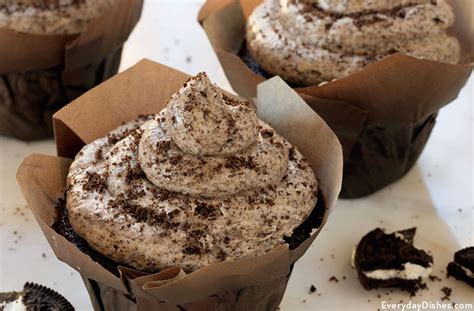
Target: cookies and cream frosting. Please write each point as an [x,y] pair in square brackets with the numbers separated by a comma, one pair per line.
[310,41]
[202,181]
[58,17]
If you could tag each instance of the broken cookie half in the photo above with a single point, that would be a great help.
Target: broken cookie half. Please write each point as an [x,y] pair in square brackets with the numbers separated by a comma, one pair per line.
[391,260]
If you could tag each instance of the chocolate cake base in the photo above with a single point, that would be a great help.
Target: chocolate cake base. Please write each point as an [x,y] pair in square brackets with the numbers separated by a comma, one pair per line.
[462,258]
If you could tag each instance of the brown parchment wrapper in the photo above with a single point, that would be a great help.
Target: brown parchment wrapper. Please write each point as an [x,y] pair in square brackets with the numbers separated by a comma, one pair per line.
[383,114]
[251,284]
[39,74]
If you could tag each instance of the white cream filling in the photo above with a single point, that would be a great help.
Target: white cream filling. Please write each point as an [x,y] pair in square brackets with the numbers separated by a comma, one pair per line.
[410,271]
[353,256]
[16,305]
[468,272]
[400,236]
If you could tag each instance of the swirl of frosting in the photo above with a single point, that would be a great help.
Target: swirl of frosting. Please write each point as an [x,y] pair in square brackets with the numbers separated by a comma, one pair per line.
[308,42]
[147,197]
[208,144]
[51,16]
[357,6]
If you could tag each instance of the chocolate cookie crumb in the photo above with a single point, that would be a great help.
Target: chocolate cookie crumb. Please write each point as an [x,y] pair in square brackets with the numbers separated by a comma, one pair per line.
[447,293]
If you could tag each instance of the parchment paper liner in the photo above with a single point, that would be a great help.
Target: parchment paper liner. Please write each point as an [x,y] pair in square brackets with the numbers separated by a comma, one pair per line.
[383,114]
[41,73]
[257,283]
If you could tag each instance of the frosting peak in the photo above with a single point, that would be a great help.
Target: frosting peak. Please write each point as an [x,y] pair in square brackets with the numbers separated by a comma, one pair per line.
[202,120]
[207,144]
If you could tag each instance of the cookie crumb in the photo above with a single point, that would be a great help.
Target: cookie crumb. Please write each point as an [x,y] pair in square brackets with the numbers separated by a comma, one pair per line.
[312,289]
[333,279]
[447,293]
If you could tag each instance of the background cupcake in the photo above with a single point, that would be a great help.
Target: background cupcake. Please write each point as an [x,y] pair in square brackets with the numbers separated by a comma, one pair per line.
[309,42]
[220,278]
[384,103]
[52,52]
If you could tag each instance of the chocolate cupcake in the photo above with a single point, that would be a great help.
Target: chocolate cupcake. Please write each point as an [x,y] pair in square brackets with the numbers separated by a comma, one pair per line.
[462,268]
[308,42]
[202,181]
[160,213]
[376,71]
[391,260]
[51,17]
[34,297]
[52,54]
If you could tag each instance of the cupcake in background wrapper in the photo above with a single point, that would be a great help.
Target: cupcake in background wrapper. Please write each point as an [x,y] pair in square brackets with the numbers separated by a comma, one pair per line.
[383,114]
[256,283]
[54,51]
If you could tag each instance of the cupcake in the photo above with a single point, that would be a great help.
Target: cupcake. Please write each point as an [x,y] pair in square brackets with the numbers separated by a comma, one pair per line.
[34,297]
[202,181]
[186,218]
[51,17]
[53,52]
[307,42]
[376,71]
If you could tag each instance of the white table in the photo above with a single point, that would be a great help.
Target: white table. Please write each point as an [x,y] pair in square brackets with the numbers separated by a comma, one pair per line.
[436,196]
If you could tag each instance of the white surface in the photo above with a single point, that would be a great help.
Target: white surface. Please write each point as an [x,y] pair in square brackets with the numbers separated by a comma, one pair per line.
[436,196]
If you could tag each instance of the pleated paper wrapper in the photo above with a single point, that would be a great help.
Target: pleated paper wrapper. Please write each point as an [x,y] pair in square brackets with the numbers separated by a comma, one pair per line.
[250,284]
[39,74]
[383,115]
